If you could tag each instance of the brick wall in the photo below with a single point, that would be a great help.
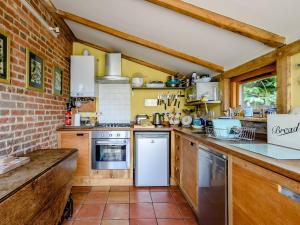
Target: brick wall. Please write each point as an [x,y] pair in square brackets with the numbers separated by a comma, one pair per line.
[28,119]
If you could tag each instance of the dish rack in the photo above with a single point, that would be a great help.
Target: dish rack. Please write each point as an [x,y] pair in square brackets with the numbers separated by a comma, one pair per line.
[234,133]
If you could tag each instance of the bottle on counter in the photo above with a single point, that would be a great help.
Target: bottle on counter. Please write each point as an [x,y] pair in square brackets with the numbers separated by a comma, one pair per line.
[248,111]
[68,118]
[77,118]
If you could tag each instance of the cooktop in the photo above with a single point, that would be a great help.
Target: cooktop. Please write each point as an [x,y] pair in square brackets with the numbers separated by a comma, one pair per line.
[272,151]
[113,125]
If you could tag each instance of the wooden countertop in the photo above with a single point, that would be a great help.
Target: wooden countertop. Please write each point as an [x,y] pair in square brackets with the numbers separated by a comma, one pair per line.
[40,162]
[109,129]
[288,168]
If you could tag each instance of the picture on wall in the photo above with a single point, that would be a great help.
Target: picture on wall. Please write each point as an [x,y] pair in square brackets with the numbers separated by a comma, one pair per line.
[57,81]
[4,57]
[35,72]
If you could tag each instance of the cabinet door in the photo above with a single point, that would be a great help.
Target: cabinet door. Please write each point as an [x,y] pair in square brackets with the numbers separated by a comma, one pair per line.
[80,141]
[189,172]
[258,199]
[177,158]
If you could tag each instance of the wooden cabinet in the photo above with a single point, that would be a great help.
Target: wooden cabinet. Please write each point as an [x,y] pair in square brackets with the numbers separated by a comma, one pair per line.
[189,170]
[81,141]
[84,175]
[177,157]
[257,197]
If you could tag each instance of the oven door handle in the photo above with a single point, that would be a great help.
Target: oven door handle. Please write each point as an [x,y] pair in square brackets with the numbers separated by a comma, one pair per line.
[111,143]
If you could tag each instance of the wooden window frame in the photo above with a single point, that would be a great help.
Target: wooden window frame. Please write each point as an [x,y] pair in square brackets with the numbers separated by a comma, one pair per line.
[236,82]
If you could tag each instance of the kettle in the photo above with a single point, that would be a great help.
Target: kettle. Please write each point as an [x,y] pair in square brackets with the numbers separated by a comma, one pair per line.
[158,119]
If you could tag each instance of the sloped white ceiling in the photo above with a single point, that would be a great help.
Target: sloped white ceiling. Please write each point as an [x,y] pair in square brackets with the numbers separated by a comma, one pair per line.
[180,32]
[278,16]
[133,50]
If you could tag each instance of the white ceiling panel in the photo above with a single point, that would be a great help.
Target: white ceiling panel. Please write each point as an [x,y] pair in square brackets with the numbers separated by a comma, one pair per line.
[185,34]
[278,16]
[136,51]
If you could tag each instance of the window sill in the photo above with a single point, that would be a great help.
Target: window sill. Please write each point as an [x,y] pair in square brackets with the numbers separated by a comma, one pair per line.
[252,119]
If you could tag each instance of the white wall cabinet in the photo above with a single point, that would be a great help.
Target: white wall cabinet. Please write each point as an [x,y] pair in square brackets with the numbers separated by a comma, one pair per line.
[83,73]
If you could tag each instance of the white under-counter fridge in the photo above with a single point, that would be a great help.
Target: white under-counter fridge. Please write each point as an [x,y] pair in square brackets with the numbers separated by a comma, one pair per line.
[152,151]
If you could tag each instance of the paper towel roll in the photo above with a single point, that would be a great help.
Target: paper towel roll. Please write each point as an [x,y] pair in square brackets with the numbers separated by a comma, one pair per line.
[77,120]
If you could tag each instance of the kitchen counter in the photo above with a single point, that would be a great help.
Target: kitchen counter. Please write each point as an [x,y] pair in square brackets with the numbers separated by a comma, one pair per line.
[83,128]
[40,162]
[288,168]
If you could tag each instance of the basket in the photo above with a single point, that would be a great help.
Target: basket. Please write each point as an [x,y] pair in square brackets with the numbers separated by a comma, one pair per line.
[234,133]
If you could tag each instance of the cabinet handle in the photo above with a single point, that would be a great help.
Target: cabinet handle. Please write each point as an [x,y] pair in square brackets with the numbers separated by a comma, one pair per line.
[289,193]
[192,143]
[80,134]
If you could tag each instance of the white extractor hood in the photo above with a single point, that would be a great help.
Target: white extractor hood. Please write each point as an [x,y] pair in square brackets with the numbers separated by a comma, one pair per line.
[113,65]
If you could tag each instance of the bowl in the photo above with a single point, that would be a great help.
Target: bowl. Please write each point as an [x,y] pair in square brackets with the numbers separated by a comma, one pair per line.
[137,82]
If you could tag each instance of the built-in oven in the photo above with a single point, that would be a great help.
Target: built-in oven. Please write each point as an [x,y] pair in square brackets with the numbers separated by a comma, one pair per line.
[110,150]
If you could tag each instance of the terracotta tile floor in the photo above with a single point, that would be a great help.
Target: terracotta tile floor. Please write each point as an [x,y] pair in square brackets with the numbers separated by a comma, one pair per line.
[130,206]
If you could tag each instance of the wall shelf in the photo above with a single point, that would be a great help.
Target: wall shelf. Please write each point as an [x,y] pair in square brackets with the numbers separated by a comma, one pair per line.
[252,119]
[163,88]
[196,103]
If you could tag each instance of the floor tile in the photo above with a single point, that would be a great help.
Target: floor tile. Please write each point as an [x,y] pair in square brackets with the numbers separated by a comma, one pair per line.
[91,211]
[190,222]
[79,198]
[101,188]
[119,188]
[162,197]
[170,222]
[143,222]
[159,189]
[118,197]
[140,196]
[142,211]
[116,212]
[96,197]
[166,210]
[76,208]
[134,188]
[174,188]
[81,189]
[185,210]
[87,222]
[178,196]
[68,222]
[115,222]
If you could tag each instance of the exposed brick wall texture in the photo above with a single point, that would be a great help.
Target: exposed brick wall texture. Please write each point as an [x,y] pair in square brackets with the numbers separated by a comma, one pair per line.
[29,119]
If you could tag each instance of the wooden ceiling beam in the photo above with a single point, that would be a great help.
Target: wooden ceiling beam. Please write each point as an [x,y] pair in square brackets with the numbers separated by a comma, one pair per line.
[265,60]
[52,10]
[270,69]
[132,59]
[254,64]
[224,22]
[139,41]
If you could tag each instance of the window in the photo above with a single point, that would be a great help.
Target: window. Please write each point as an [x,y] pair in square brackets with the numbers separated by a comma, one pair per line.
[258,87]
[259,93]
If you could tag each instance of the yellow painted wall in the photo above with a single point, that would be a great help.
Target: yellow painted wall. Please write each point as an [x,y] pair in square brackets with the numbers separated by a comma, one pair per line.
[129,68]
[295,81]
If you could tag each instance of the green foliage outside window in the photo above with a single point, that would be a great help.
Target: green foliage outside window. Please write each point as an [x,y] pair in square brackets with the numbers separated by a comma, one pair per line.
[261,93]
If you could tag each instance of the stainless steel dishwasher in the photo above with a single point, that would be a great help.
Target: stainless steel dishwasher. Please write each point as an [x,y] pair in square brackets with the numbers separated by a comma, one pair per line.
[212,188]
